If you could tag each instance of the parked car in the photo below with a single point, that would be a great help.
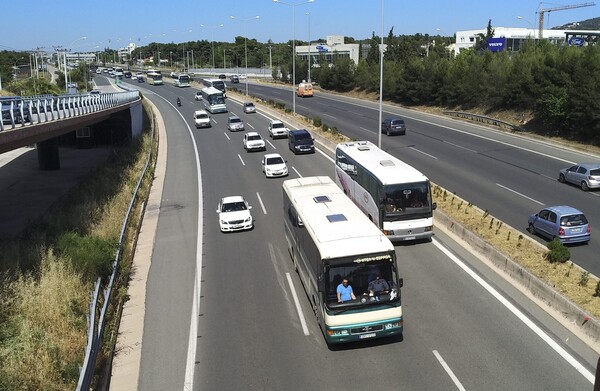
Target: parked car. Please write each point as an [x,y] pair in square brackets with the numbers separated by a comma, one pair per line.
[392,126]
[273,165]
[202,119]
[254,141]
[249,107]
[234,214]
[566,223]
[301,141]
[234,123]
[277,129]
[585,175]
[198,95]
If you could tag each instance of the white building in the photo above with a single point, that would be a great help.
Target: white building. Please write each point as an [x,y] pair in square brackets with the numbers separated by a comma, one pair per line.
[515,36]
[334,48]
[126,51]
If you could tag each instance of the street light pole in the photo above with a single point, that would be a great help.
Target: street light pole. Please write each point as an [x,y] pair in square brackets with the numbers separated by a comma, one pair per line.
[212,43]
[380,80]
[308,13]
[245,45]
[531,24]
[293,5]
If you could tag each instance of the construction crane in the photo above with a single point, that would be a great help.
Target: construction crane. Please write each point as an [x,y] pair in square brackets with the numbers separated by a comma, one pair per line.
[542,11]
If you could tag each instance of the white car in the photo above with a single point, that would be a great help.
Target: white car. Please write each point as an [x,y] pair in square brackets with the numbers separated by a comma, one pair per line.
[234,214]
[254,141]
[201,119]
[277,129]
[274,165]
[198,96]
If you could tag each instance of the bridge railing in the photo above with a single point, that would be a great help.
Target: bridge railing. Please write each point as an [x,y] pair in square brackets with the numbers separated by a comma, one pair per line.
[23,111]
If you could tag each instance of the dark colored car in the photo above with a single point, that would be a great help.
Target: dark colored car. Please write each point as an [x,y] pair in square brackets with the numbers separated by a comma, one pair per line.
[392,126]
[235,79]
[222,77]
[301,141]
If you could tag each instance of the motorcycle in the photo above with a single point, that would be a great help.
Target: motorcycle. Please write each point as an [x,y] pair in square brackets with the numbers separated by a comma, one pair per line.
[178,102]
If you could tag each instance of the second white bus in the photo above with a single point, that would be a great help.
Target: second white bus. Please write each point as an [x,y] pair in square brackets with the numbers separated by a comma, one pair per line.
[213,100]
[182,80]
[393,194]
[216,83]
[329,240]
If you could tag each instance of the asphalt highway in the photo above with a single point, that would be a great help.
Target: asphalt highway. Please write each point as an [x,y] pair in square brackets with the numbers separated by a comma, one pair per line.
[255,327]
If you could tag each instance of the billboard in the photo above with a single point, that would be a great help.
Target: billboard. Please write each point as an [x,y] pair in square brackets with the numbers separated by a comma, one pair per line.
[496,44]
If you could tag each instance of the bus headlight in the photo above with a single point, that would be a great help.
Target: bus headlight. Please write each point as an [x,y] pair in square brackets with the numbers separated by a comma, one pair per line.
[428,229]
[337,332]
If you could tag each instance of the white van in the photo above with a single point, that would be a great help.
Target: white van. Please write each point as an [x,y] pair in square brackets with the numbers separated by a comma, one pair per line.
[202,119]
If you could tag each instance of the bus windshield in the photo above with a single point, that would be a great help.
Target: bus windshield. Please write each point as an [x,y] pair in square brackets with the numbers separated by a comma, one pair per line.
[360,275]
[407,201]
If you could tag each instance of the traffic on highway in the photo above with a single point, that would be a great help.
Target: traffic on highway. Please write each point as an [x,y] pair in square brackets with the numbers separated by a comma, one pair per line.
[229,310]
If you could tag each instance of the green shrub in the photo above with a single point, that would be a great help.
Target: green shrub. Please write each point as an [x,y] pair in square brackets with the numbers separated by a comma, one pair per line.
[92,256]
[558,252]
[317,122]
[325,127]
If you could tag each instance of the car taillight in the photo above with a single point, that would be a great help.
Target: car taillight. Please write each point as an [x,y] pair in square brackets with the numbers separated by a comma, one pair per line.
[561,232]
[589,229]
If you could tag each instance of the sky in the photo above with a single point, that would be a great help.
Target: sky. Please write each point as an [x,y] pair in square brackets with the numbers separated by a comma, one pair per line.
[114,24]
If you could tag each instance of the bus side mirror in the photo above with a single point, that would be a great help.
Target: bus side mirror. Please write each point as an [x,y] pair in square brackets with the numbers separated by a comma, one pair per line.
[401,283]
[320,284]
[434,206]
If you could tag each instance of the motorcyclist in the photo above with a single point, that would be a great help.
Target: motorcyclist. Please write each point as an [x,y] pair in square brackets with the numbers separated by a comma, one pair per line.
[178,101]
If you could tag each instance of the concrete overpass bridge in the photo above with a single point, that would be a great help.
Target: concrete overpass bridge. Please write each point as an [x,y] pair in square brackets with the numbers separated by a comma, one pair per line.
[43,120]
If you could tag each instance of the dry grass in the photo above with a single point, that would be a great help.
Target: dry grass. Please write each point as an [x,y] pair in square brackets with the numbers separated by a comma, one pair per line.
[564,277]
[46,329]
[43,313]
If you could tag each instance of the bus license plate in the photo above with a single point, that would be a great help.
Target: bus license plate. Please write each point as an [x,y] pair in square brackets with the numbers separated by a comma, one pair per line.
[410,238]
[370,335]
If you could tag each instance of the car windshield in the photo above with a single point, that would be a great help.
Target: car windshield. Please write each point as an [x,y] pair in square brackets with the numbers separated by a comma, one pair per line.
[235,120]
[249,104]
[234,206]
[274,160]
[595,172]
[254,137]
[277,125]
[303,136]
[573,220]
[398,122]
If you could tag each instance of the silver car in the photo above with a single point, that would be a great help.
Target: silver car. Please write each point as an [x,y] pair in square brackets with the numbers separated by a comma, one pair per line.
[585,175]
[234,124]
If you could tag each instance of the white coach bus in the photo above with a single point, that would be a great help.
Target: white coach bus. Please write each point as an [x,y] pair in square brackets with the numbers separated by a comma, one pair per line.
[331,240]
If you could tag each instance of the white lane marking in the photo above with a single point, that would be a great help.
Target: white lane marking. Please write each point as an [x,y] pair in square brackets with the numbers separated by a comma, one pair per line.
[324,154]
[448,371]
[294,168]
[367,130]
[274,147]
[424,153]
[329,115]
[528,322]
[249,125]
[214,120]
[226,135]
[519,194]
[460,146]
[261,203]
[241,160]
[297,303]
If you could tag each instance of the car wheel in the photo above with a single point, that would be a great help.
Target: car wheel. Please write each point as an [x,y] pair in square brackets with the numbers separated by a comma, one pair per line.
[561,178]
[584,186]
[531,228]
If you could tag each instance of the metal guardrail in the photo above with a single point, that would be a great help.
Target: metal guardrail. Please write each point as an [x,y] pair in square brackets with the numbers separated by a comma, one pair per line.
[97,321]
[485,119]
[18,111]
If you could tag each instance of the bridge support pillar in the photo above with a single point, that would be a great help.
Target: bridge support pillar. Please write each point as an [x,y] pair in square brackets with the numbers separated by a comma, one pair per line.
[48,156]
